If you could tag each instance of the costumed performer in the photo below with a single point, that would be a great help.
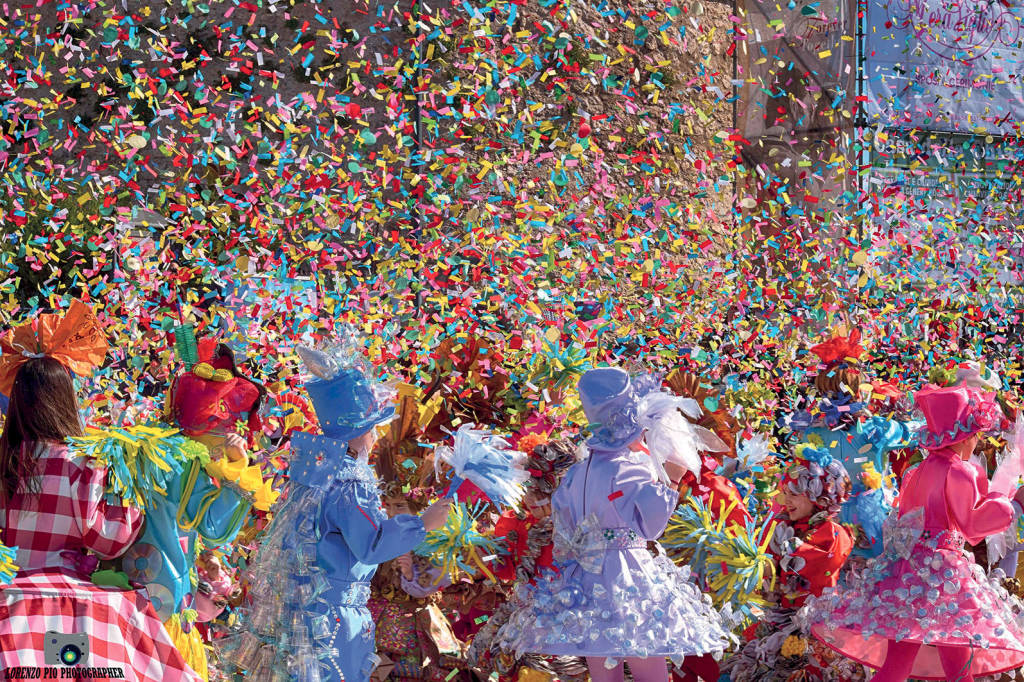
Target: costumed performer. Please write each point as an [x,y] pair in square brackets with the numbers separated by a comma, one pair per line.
[206,402]
[414,638]
[810,547]
[839,421]
[924,609]
[612,601]
[56,512]
[310,581]
[528,540]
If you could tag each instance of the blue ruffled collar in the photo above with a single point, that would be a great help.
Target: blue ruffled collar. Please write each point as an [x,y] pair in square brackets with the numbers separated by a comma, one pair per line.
[835,414]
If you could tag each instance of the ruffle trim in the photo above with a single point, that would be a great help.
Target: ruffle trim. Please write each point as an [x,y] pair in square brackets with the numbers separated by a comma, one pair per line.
[662,614]
[960,430]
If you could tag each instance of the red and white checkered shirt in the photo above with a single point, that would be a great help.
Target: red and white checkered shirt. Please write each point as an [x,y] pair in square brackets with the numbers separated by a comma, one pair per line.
[71,512]
[120,627]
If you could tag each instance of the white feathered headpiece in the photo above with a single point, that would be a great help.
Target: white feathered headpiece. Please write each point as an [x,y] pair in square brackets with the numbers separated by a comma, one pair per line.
[671,437]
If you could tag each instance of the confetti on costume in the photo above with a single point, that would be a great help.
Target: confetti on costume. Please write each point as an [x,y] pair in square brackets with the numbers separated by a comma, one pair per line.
[325,541]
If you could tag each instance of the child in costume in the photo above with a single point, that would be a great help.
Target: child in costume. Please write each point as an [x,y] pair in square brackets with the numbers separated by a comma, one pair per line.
[414,638]
[810,548]
[924,609]
[205,402]
[55,511]
[611,600]
[528,554]
[840,423]
[310,582]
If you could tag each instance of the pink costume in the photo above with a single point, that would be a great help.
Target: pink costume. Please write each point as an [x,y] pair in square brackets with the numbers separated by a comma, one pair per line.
[924,595]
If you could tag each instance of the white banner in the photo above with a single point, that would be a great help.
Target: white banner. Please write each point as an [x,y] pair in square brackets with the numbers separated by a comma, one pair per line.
[950,65]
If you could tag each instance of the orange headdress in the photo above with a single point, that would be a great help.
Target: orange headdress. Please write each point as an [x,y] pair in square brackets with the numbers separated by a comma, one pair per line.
[73,339]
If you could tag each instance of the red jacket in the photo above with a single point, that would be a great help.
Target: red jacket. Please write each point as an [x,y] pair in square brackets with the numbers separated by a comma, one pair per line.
[824,550]
[717,492]
[505,567]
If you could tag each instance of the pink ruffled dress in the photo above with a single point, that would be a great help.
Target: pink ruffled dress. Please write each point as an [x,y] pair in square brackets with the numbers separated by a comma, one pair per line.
[924,588]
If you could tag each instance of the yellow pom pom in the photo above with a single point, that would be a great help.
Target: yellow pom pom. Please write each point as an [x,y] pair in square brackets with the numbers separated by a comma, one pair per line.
[203,370]
[794,646]
[871,478]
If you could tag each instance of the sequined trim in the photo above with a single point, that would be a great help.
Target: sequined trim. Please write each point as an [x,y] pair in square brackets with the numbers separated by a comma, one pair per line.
[622,538]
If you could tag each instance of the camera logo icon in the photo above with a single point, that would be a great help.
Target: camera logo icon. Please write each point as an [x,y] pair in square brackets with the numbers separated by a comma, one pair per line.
[61,649]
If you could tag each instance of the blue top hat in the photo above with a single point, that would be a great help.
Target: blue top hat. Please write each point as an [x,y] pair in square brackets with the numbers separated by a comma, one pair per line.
[611,401]
[346,402]
[347,405]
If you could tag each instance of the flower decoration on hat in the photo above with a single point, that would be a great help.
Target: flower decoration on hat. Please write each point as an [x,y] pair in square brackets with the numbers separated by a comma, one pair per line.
[840,349]
[74,339]
[819,456]
[978,376]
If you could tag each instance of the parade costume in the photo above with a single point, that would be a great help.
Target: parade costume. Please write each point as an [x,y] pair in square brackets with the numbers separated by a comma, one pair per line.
[527,556]
[611,599]
[810,553]
[840,424]
[206,403]
[310,581]
[415,640]
[64,529]
[924,608]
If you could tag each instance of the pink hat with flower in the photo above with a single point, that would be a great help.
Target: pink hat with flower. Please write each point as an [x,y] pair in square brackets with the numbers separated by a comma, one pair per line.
[954,413]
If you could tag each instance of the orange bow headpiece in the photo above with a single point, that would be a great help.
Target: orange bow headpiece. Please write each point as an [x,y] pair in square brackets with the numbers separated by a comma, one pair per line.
[840,348]
[73,339]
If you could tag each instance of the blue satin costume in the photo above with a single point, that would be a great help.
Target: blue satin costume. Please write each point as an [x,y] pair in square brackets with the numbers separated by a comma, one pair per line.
[158,559]
[354,537]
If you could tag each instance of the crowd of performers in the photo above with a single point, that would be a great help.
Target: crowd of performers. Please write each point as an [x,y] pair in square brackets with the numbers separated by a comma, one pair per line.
[424,533]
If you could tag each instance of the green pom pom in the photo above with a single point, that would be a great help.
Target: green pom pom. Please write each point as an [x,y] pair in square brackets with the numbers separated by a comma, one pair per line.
[185,344]
[941,376]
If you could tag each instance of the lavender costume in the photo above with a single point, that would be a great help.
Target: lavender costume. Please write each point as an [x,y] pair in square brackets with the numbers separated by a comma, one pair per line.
[610,596]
